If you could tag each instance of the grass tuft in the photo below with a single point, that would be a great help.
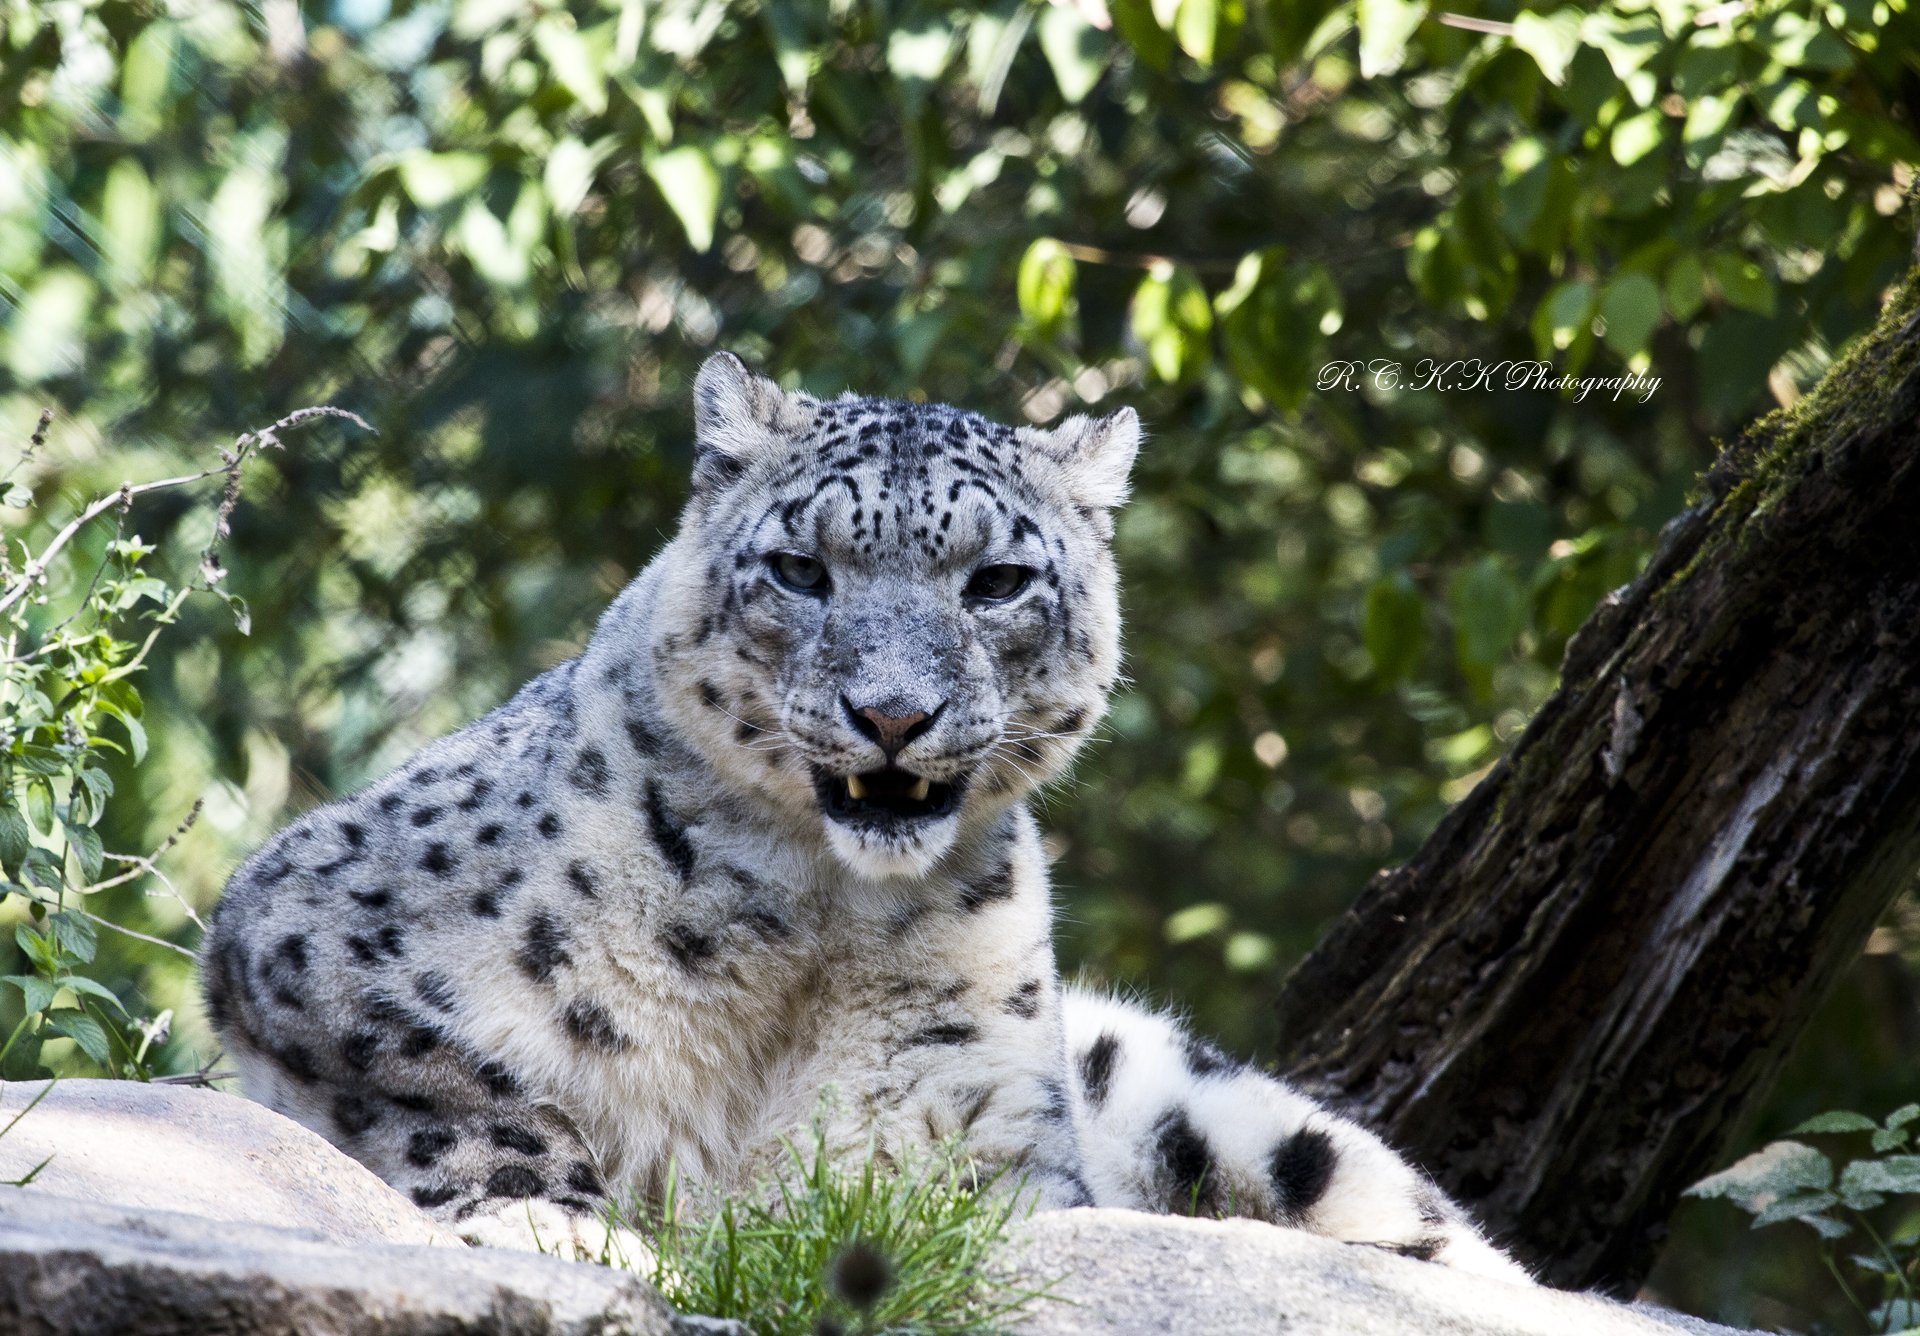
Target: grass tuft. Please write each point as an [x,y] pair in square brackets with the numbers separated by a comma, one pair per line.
[825,1248]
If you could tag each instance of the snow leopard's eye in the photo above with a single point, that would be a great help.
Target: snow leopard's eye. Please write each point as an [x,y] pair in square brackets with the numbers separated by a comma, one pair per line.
[996,584]
[799,572]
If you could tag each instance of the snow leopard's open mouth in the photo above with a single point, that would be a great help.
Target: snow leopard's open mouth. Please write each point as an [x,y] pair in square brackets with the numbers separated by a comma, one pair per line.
[884,797]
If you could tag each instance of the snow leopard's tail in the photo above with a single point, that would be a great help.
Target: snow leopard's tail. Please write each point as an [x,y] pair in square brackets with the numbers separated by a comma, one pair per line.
[1167,1122]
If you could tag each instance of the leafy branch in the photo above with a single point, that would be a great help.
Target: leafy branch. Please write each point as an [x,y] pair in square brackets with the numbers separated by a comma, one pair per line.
[1791,1180]
[73,640]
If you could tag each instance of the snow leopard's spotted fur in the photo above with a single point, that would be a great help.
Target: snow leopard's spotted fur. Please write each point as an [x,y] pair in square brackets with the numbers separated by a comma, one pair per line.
[617,923]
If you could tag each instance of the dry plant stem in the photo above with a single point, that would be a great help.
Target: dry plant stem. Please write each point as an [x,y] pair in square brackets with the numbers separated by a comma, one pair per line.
[36,567]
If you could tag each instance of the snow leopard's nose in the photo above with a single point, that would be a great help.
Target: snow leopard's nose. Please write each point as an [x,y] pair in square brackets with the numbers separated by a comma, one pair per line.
[891,725]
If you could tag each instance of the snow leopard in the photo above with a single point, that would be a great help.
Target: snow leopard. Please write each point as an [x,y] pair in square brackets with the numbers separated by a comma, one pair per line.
[758,864]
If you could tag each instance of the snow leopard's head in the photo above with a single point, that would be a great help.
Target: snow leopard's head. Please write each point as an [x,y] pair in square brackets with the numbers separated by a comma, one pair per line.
[893,619]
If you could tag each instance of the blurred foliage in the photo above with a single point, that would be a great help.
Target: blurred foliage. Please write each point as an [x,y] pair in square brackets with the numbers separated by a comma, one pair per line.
[1792,1181]
[1320,246]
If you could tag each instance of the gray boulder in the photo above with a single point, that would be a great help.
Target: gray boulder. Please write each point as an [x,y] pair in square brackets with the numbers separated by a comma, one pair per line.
[1122,1273]
[168,1148]
[165,1210]
[72,1268]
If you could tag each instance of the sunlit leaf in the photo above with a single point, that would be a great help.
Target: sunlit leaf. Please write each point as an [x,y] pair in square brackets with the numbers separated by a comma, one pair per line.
[1045,286]
[1636,136]
[1074,48]
[1386,26]
[1777,1170]
[1551,39]
[1172,318]
[434,179]
[578,64]
[690,183]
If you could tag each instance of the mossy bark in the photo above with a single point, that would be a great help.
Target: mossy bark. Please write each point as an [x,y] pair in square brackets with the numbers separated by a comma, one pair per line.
[1565,1002]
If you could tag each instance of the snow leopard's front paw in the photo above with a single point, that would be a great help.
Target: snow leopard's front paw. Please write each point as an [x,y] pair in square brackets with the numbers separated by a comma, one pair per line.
[532,1225]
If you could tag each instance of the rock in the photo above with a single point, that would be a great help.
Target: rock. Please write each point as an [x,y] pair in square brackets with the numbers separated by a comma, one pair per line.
[1123,1273]
[72,1268]
[201,1152]
[165,1210]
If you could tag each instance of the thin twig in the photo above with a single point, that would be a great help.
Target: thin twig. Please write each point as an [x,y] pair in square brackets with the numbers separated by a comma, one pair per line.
[204,1077]
[36,567]
[1467,23]
[1130,260]
[123,930]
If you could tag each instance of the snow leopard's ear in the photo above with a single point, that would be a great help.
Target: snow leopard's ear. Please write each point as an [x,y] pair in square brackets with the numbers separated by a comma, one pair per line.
[740,418]
[1094,454]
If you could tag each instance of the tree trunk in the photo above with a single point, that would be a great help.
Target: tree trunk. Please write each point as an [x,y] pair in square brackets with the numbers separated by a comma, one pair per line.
[1565,1002]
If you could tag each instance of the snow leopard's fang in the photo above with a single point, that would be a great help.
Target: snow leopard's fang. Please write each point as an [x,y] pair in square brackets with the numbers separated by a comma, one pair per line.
[885,797]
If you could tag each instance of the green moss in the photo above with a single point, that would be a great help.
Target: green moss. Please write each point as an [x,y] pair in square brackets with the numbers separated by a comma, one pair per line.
[1770,456]
[1856,393]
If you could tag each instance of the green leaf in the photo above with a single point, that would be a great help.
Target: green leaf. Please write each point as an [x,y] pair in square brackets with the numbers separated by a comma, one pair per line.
[919,55]
[1133,20]
[1075,50]
[40,805]
[136,736]
[1196,26]
[1823,1225]
[577,64]
[1796,1206]
[37,947]
[1489,613]
[242,619]
[85,842]
[569,175]
[1630,305]
[1742,282]
[1892,1174]
[81,984]
[1562,316]
[1686,287]
[85,1031]
[1173,320]
[131,217]
[1636,136]
[37,760]
[1386,26]
[1900,1117]
[1627,41]
[1045,286]
[75,937]
[36,991]
[1839,1121]
[1275,320]
[690,183]
[15,839]
[1777,1170]
[434,179]
[1551,39]
[1395,628]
